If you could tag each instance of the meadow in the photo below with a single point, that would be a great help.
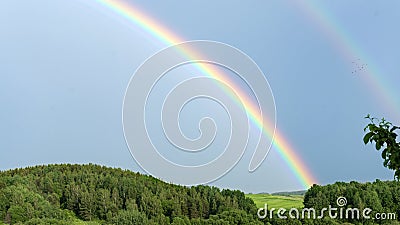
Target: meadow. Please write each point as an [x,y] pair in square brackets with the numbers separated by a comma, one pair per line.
[277,201]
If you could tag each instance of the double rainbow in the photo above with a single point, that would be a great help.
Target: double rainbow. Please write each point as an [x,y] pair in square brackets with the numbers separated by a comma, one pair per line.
[142,20]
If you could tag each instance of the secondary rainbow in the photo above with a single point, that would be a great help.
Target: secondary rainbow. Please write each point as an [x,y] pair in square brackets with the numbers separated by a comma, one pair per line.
[140,19]
[382,91]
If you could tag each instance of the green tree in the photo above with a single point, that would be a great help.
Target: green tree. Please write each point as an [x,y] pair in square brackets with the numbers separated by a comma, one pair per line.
[17,214]
[383,134]
[130,217]
[181,221]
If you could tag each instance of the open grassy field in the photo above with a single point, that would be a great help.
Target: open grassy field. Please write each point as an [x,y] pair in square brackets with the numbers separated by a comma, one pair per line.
[277,201]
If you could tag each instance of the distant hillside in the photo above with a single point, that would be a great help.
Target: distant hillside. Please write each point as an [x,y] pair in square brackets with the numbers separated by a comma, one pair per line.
[72,194]
[288,193]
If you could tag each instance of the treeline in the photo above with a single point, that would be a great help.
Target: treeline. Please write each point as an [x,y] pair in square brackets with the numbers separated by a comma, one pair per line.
[70,194]
[382,197]
[92,194]
[288,193]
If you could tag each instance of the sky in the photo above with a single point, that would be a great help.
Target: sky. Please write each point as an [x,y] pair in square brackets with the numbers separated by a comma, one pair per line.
[65,67]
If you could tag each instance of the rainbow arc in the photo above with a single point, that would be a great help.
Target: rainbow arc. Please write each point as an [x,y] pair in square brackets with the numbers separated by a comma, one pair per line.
[147,23]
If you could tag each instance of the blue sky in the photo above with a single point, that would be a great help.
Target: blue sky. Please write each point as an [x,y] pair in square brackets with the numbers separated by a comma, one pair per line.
[65,66]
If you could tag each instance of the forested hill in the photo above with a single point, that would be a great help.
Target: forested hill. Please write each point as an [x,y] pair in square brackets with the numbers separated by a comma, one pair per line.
[70,194]
[380,196]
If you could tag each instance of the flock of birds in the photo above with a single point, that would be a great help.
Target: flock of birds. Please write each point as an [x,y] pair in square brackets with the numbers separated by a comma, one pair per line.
[358,66]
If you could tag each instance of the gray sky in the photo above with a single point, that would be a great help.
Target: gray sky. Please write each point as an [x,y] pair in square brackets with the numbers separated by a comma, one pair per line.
[65,66]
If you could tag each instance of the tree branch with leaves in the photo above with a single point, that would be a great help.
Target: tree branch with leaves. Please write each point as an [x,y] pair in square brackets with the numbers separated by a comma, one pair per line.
[383,134]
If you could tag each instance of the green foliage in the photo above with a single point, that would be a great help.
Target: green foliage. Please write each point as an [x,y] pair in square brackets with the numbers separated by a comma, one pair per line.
[130,218]
[380,196]
[236,217]
[383,134]
[91,194]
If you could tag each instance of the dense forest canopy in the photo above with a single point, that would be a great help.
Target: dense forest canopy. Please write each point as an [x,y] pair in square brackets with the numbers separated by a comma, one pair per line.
[92,194]
[380,196]
[113,196]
